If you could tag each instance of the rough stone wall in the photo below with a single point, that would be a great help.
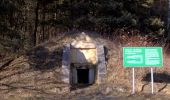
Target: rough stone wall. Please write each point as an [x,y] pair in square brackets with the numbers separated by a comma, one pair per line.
[101,64]
[97,58]
[83,56]
[66,64]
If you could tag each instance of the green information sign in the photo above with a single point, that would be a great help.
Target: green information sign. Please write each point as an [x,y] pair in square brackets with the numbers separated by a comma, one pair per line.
[142,57]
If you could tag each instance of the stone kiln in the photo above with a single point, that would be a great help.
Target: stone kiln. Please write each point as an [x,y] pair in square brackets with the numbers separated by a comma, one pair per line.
[83,62]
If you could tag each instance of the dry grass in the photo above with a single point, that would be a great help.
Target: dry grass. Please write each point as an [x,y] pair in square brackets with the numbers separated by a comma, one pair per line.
[119,75]
[21,78]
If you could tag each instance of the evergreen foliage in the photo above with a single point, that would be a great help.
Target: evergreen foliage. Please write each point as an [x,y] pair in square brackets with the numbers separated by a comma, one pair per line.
[11,37]
[92,14]
[24,20]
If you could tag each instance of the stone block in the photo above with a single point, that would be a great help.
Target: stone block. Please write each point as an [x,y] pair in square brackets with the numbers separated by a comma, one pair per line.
[66,64]
[101,64]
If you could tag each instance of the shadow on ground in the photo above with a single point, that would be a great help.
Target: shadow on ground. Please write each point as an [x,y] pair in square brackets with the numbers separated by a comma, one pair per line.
[158,77]
[35,74]
[41,58]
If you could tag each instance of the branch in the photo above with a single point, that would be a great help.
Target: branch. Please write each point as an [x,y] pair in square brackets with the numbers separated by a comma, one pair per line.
[6,63]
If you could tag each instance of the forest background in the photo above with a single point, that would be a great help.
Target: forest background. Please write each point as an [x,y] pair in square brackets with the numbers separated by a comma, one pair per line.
[27,23]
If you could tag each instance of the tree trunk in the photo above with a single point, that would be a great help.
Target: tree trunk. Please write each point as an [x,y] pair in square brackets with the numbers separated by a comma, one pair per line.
[43,19]
[36,24]
[168,23]
[160,8]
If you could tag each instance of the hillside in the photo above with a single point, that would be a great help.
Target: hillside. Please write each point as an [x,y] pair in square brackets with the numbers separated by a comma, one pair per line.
[36,74]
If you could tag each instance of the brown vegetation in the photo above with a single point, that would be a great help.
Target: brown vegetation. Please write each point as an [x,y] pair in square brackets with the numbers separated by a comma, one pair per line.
[37,73]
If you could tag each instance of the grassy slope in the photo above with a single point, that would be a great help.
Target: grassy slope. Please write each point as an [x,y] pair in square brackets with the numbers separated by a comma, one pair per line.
[29,76]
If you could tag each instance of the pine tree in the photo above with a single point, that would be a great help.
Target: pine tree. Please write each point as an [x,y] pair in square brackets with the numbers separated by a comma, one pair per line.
[11,20]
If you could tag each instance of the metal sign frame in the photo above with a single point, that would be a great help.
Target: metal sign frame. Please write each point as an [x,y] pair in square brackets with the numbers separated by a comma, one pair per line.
[142,54]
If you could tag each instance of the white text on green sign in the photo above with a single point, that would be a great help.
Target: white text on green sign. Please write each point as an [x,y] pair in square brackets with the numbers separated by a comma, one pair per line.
[142,57]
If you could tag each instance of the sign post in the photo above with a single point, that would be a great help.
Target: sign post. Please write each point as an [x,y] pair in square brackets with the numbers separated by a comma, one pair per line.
[142,57]
[152,79]
[133,81]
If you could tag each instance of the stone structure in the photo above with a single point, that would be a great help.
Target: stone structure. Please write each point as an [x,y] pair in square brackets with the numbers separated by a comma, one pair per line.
[83,62]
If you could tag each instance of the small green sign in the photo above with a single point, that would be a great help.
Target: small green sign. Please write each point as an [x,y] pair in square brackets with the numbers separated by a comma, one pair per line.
[142,57]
